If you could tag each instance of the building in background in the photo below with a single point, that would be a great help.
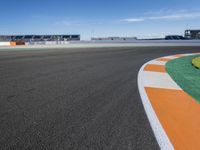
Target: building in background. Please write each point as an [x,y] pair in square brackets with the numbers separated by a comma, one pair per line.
[192,34]
[37,38]
[174,37]
[114,38]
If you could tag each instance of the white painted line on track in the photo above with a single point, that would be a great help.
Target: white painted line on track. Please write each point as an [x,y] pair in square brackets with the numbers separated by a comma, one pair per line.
[191,54]
[156,126]
[170,57]
[158,80]
[156,62]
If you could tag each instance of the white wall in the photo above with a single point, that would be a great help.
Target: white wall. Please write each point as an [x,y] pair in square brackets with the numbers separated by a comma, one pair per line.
[48,43]
[4,43]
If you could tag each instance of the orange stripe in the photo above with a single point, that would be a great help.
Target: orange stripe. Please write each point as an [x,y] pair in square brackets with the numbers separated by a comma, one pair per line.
[179,115]
[178,55]
[164,59]
[156,68]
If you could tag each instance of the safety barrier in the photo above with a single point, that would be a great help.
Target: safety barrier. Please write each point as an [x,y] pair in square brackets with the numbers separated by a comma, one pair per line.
[5,44]
[12,43]
[47,43]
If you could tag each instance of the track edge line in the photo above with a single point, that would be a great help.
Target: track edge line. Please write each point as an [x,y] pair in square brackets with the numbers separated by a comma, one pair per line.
[159,132]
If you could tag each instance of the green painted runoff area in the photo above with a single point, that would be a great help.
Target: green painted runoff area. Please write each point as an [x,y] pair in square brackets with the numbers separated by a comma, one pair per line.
[186,75]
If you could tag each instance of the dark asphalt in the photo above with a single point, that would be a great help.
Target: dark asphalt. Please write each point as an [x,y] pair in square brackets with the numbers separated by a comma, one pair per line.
[81,99]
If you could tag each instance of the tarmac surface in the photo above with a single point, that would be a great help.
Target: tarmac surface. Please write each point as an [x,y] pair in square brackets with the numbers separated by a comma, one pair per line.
[83,99]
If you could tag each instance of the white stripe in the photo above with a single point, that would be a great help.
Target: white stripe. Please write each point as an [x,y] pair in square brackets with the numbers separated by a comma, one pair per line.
[158,130]
[170,57]
[158,80]
[190,54]
[156,62]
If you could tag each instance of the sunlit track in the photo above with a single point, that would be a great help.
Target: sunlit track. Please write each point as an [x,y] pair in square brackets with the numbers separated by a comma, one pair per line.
[76,98]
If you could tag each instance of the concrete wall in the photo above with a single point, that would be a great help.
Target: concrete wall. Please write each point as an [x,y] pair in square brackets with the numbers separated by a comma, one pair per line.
[47,43]
[11,43]
[4,43]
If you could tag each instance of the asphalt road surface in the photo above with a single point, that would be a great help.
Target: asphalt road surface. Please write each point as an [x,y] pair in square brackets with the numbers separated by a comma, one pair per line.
[81,99]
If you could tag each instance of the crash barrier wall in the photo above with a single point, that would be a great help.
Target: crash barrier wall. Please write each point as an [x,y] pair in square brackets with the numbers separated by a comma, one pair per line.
[12,43]
[4,43]
[47,43]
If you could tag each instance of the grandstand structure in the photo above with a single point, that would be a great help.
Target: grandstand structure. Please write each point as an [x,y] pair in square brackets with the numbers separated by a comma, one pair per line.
[38,38]
[174,37]
[113,38]
[192,34]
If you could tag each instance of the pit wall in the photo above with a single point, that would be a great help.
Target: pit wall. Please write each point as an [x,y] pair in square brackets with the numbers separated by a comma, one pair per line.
[47,43]
[5,43]
[8,43]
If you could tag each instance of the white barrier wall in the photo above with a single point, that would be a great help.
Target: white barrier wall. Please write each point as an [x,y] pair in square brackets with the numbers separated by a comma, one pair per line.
[4,43]
[47,43]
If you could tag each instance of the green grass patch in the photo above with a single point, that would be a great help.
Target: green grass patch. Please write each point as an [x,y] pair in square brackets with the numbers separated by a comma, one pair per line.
[196,62]
[185,75]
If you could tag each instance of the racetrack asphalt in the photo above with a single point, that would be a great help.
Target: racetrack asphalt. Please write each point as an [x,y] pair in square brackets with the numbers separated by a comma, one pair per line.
[82,99]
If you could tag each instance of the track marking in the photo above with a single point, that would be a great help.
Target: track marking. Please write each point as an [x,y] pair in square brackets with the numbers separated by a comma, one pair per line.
[179,55]
[171,57]
[156,62]
[164,59]
[156,126]
[159,80]
[155,68]
[173,114]
[179,115]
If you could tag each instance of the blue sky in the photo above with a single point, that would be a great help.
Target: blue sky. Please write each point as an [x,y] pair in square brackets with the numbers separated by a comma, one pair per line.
[141,18]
